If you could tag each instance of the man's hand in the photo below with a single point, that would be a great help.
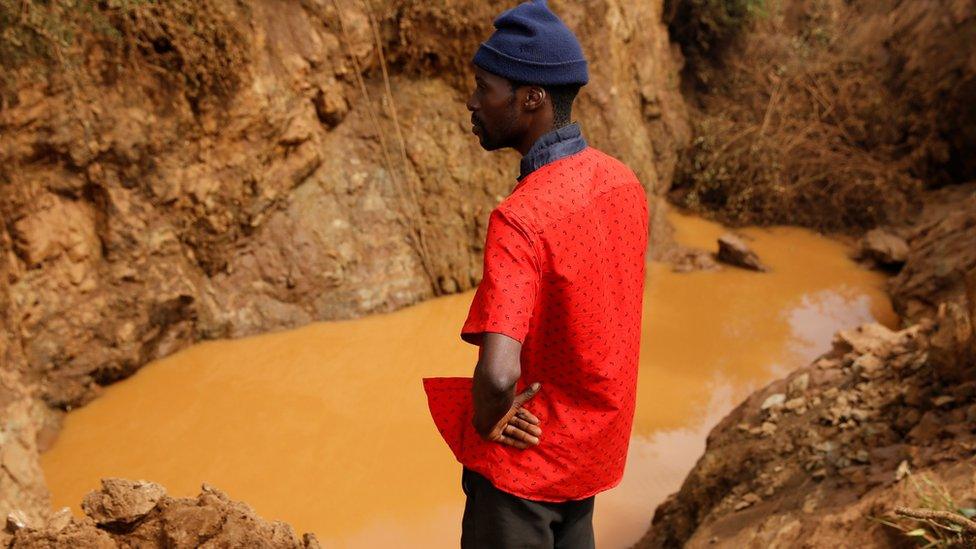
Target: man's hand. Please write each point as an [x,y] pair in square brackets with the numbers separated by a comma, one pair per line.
[499,415]
[518,427]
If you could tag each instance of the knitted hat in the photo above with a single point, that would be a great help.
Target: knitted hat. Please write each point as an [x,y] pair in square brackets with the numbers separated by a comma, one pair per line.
[532,45]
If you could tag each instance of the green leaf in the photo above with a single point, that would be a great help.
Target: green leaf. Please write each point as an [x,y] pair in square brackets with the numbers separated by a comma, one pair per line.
[968,512]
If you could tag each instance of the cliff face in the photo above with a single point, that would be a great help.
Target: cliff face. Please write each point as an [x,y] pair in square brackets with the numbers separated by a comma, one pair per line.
[841,115]
[219,168]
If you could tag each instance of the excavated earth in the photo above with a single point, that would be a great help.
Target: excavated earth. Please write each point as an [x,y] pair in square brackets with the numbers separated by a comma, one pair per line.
[127,513]
[885,419]
[281,163]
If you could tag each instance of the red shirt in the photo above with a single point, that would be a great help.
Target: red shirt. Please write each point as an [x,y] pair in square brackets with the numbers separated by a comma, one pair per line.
[564,275]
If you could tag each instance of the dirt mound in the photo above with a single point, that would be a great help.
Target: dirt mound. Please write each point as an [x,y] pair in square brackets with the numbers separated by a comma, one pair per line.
[810,460]
[823,457]
[828,114]
[127,513]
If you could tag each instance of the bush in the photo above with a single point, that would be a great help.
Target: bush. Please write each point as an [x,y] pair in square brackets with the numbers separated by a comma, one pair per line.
[194,45]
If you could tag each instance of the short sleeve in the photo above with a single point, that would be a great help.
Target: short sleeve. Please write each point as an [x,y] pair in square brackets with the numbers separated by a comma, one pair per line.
[507,294]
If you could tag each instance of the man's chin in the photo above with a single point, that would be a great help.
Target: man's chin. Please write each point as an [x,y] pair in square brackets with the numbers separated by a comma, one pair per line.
[488,145]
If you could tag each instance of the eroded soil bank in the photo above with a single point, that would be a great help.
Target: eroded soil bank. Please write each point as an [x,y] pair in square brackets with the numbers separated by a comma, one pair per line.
[885,419]
[181,171]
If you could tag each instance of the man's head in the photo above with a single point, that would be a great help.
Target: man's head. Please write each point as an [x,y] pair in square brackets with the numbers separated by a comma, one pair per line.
[526,77]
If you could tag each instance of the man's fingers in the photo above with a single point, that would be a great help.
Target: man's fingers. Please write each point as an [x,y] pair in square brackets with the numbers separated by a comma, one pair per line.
[507,440]
[527,416]
[525,426]
[527,394]
[514,442]
[518,434]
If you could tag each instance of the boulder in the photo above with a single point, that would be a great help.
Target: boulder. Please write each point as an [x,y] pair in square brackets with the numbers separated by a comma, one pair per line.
[884,248]
[734,251]
[122,501]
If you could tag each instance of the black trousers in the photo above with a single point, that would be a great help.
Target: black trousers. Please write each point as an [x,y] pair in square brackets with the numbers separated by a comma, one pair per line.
[497,519]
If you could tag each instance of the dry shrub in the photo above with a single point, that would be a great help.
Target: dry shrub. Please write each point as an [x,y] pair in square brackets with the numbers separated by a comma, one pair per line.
[833,114]
[705,28]
[195,47]
[796,147]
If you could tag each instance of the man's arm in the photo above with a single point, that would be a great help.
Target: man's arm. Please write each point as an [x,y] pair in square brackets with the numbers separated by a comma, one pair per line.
[498,411]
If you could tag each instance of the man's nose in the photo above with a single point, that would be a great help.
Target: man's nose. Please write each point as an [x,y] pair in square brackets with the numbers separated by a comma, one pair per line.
[470,104]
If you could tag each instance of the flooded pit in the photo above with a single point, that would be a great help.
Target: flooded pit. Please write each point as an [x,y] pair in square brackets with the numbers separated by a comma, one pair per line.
[327,426]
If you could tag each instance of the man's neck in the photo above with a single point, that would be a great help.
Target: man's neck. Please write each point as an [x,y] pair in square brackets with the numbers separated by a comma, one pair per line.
[533,135]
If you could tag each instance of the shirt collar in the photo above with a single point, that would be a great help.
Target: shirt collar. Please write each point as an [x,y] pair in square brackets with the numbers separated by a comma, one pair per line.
[552,146]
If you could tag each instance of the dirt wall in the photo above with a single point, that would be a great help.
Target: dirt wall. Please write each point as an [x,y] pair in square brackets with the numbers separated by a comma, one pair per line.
[193,170]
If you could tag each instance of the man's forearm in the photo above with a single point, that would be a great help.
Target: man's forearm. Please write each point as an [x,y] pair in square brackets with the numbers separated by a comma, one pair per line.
[492,399]
[495,376]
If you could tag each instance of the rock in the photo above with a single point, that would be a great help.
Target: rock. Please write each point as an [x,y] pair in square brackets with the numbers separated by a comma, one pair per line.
[310,541]
[941,249]
[16,520]
[798,385]
[59,520]
[798,405]
[903,470]
[868,339]
[139,514]
[747,500]
[331,105]
[883,247]
[768,428]
[80,534]
[122,501]
[734,251]
[684,259]
[772,401]
[868,363]
[927,428]
[828,363]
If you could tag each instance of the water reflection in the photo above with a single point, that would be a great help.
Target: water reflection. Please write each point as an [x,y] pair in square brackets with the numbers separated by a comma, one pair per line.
[815,320]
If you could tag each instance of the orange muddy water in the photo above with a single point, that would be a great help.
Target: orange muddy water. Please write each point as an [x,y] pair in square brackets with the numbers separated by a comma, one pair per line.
[327,427]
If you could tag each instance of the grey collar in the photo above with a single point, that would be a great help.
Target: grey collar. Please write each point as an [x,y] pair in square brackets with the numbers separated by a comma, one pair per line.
[552,146]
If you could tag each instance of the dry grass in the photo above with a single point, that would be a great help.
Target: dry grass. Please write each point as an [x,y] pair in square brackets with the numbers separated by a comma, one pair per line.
[193,46]
[794,131]
[936,521]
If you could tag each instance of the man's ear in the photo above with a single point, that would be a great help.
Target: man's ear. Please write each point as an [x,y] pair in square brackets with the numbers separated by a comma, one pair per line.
[535,97]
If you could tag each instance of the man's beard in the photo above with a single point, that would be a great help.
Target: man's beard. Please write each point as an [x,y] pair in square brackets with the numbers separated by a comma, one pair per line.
[502,138]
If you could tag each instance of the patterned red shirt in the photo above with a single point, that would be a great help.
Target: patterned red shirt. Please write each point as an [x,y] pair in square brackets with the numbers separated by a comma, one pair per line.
[564,275]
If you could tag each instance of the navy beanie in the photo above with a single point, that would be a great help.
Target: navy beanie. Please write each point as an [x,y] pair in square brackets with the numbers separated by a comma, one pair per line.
[532,45]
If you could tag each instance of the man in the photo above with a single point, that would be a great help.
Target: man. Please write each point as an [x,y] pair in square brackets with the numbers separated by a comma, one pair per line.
[545,422]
